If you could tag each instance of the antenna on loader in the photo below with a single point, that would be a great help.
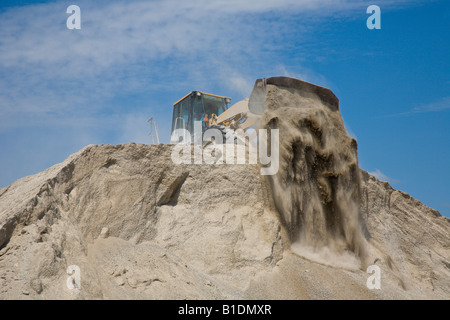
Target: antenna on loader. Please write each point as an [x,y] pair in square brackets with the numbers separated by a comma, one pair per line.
[153,130]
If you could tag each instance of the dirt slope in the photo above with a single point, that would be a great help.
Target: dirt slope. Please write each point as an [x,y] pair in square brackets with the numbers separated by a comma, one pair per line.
[187,232]
[139,227]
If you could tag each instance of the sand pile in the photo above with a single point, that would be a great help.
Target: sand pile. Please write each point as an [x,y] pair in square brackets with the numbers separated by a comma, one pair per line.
[136,226]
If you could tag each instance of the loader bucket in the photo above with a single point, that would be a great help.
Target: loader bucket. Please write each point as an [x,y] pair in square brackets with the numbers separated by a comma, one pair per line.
[257,102]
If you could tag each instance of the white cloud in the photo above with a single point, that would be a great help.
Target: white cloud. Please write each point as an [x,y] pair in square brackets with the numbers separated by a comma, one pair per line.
[51,69]
[435,106]
[135,128]
[240,83]
[381,176]
[439,105]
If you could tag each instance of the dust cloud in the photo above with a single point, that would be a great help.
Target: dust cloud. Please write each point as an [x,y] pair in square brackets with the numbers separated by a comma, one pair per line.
[317,188]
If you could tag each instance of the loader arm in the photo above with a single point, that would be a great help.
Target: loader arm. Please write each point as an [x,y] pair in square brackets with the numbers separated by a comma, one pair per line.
[236,111]
[238,116]
[247,112]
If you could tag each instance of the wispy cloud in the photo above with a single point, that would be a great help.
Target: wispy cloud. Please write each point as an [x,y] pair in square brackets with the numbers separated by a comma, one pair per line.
[440,105]
[123,47]
[381,176]
[126,47]
[134,133]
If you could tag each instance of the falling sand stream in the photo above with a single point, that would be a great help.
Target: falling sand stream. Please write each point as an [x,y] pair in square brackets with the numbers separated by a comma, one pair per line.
[316,190]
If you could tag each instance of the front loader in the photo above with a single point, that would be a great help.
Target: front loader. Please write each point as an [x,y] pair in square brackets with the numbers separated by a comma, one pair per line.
[213,111]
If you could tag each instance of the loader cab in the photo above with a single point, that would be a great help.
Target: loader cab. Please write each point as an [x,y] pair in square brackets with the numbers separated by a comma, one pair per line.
[194,107]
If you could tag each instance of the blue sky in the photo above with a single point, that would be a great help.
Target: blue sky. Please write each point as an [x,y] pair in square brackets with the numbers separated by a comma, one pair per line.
[62,89]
